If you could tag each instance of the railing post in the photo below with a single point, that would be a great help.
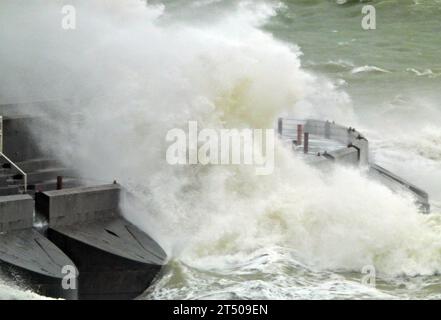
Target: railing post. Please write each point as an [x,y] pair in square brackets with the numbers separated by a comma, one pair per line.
[306,143]
[280,126]
[299,134]
[59,182]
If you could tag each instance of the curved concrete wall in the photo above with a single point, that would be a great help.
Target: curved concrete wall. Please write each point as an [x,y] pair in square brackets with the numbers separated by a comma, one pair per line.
[355,150]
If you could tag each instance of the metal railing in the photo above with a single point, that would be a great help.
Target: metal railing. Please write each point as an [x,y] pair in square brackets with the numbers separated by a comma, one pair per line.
[288,128]
[25,176]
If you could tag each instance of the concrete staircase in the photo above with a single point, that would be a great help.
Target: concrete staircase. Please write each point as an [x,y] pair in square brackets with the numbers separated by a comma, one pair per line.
[41,173]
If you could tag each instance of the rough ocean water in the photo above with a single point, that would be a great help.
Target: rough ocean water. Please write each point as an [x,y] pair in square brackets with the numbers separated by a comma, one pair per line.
[297,233]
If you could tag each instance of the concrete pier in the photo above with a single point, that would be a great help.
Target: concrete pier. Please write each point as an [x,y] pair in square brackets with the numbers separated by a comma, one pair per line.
[115,259]
[112,258]
[26,253]
[344,145]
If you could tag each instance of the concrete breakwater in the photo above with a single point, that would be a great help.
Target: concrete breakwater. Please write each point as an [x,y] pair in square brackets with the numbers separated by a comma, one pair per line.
[62,237]
[114,258]
[323,141]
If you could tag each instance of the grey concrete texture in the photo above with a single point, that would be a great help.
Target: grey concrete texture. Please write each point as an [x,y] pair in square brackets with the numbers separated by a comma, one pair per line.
[16,212]
[78,205]
[347,156]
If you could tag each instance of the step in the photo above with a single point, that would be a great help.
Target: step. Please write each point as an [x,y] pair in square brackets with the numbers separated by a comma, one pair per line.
[42,175]
[9,190]
[4,179]
[37,164]
[50,185]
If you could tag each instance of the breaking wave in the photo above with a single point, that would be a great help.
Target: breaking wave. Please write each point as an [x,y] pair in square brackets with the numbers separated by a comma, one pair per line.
[372,69]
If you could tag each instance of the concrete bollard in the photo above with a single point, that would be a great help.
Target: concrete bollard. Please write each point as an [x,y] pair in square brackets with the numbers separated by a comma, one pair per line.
[299,134]
[306,143]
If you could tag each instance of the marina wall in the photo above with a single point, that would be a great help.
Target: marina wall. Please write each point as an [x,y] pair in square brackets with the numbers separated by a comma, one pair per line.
[354,147]
[353,150]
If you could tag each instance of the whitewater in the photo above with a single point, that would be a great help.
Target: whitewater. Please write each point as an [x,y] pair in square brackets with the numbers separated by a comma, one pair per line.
[140,69]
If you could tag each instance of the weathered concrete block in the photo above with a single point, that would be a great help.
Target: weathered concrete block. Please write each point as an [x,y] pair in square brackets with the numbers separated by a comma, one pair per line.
[363,146]
[70,206]
[346,155]
[16,212]
[328,130]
